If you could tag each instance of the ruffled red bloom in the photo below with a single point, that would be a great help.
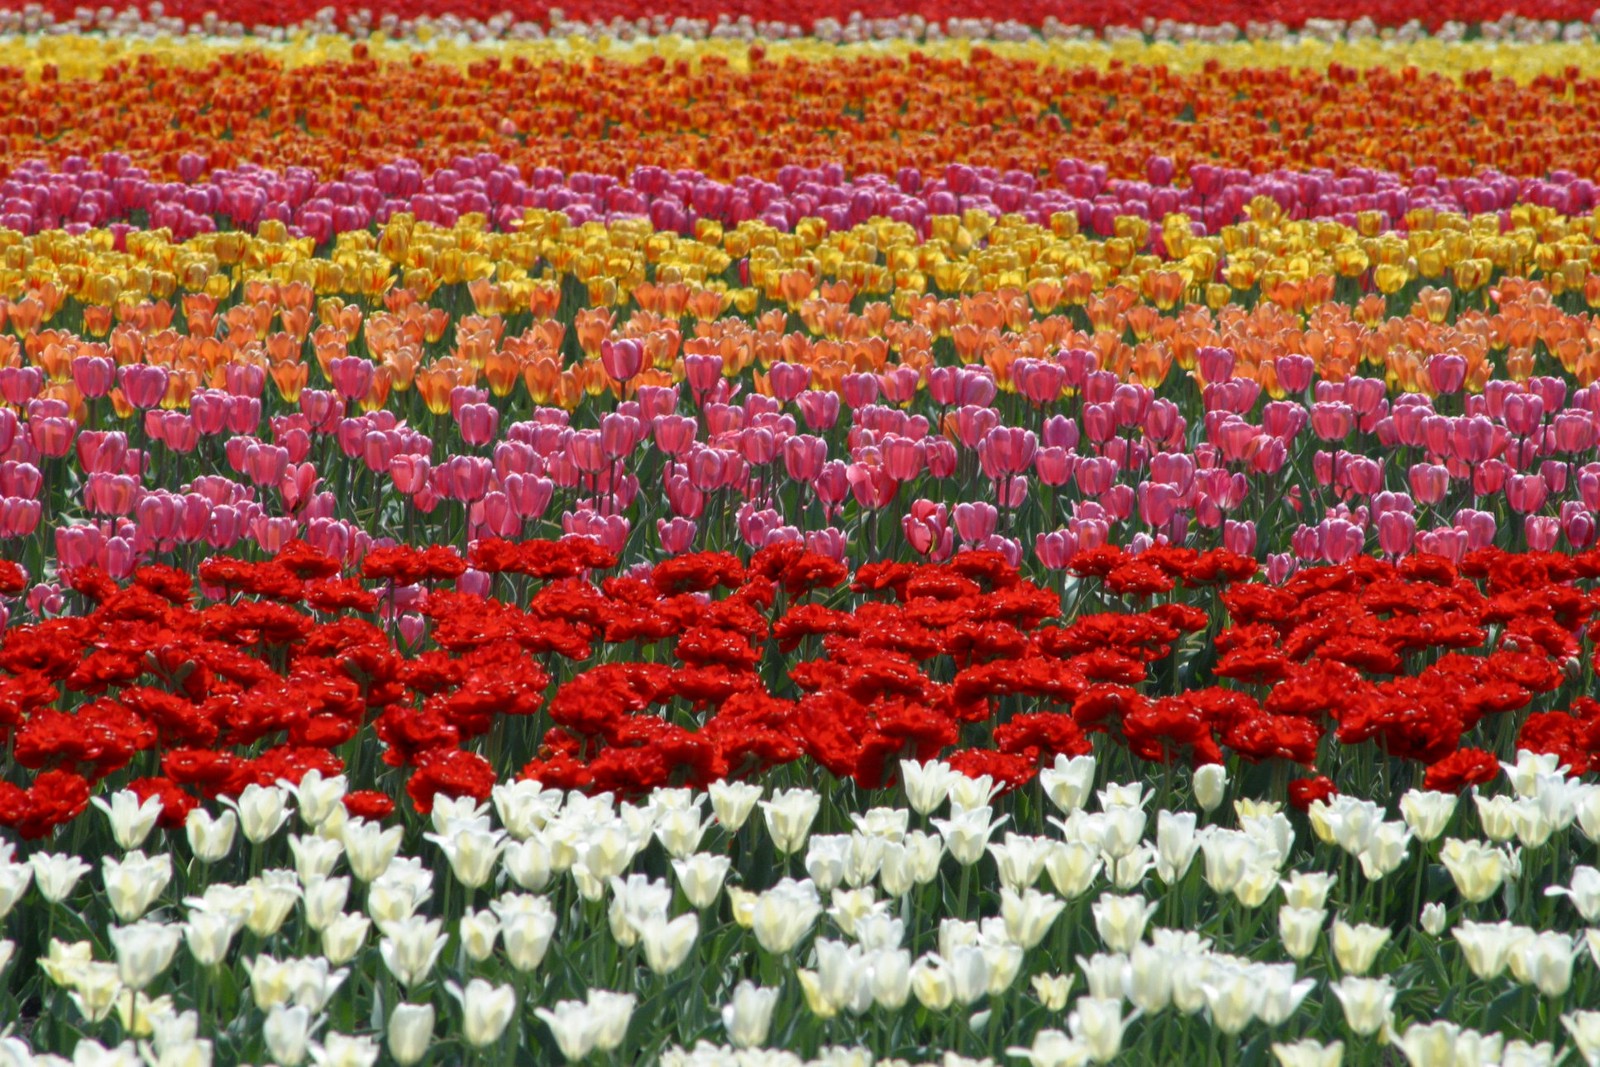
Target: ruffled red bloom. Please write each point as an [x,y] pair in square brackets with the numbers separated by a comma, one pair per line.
[368,804]
[1558,734]
[13,579]
[305,562]
[697,572]
[1008,771]
[54,798]
[1042,735]
[1303,792]
[452,772]
[1460,769]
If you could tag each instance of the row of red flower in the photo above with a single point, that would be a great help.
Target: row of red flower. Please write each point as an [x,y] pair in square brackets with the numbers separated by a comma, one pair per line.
[705,667]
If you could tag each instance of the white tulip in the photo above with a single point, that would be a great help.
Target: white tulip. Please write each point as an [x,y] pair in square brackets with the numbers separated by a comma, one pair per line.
[369,848]
[314,857]
[1427,813]
[1098,1025]
[317,797]
[144,950]
[210,839]
[527,924]
[572,1025]
[1052,1048]
[668,944]
[410,948]
[732,803]
[1367,1003]
[410,1032]
[1069,782]
[131,819]
[1210,785]
[1120,920]
[262,811]
[1357,947]
[345,1050]
[135,883]
[1309,1053]
[789,815]
[486,1010]
[748,1017]
[700,876]
[288,1034]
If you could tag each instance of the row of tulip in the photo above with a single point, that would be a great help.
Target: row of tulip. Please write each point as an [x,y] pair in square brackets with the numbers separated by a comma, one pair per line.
[523,658]
[113,190]
[601,930]
[526,17]
[739,112]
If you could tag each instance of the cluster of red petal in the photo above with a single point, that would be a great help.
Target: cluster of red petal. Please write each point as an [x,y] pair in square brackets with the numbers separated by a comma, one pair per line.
[711,667]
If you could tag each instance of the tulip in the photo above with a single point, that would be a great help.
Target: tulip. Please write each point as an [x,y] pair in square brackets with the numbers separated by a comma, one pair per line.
[573,1027]
[486,1010]
[1357,947]
[1366,1001]
[131,818]
[144,950]
[135,883]
[410,1032]
[410,948]
[748,1017]
[1098,1024]
[789,815]
[287,1032]
[56,874]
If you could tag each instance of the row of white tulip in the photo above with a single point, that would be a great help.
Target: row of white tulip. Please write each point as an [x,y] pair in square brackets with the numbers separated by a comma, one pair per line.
[958,921]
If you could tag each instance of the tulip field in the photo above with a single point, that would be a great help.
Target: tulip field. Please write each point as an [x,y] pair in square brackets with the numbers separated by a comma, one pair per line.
[749,532]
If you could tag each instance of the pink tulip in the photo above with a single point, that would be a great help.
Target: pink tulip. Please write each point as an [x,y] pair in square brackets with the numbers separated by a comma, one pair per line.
[143,386]
[245,379]
[684,498]
[820,410]
[1489,477]
[703,373]
[871,485]
[530,496]
[1006,450]
[903,457]
[1396,531]
[677,535]
[1526,492]
[1332,422]
[829,542]
[18,385]
[899,386]
[974,423]
[478,423]
[1541,531]
[351,377]
[1578,523]
[622,360]
[1479,526]
[93,375]
[1239,537]
[1164,424]
[803,457]
[859,390]
[675,434]
[1055,550]
[789,380]
[1446,372]
[1216,364]
[52,436]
